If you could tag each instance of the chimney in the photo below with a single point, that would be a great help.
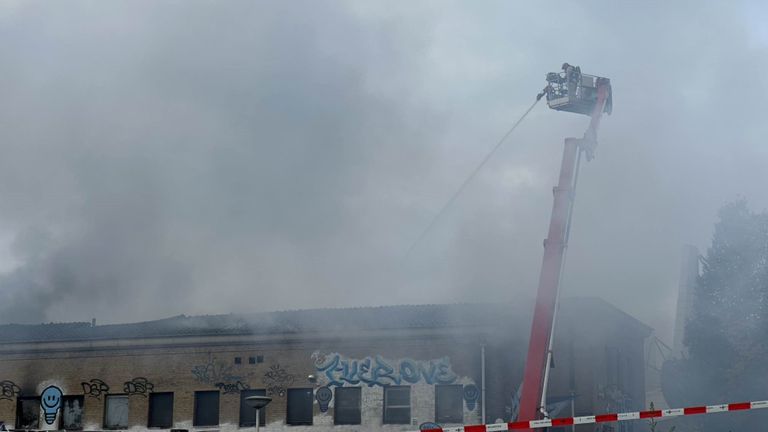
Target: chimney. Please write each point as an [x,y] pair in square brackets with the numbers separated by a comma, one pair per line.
[689,272]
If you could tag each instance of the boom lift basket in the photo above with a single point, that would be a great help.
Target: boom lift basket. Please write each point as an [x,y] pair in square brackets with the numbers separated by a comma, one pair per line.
[575,92]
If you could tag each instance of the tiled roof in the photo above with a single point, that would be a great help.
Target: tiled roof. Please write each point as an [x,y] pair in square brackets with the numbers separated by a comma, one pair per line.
[315,320]
[284,322]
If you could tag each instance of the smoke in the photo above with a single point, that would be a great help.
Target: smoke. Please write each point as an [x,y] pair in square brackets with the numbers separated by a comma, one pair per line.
[193,157]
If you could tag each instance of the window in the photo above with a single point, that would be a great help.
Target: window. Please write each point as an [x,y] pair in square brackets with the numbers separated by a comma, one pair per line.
[299,407]
[397,405]
[116,412]
[206,408]
[449,404]
[248,414]
[259,359]
[347,406]
[251,360]
[238,360]
[28,413]
[72,412]
[160,410]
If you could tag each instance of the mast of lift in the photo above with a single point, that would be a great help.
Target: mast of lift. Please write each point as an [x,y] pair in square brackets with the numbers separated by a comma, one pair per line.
[539,358]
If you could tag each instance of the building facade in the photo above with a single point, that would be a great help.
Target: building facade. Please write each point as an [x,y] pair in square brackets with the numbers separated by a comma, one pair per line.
[385,368]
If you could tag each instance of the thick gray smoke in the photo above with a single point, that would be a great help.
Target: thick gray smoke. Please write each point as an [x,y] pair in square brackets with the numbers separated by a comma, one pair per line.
[199,157]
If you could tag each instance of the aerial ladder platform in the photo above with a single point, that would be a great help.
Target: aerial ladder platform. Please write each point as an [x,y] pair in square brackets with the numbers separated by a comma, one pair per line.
[571,91]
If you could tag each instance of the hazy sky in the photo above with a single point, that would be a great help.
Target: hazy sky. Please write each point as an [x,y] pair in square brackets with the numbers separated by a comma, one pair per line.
[168,157]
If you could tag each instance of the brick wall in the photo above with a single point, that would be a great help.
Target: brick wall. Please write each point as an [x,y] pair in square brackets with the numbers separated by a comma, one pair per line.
[188,365]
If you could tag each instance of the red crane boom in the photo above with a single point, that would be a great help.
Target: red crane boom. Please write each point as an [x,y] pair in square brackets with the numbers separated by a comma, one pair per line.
[585,94]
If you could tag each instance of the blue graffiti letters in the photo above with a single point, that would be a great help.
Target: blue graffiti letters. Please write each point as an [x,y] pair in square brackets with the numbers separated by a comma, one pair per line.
[378,371]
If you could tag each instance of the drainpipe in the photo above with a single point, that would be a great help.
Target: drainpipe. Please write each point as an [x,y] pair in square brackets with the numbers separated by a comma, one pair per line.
[482,380]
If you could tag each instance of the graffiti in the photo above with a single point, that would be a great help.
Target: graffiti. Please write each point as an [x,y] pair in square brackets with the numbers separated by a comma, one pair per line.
[323,396]
[215,372]
[50,401]
[429,426]
[8,390]
[277,380]
[138,386]
[373,371]
[471,394]
[95,388]
[235,387]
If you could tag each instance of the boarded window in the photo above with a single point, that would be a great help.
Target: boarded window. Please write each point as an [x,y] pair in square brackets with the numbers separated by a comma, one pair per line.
[116,412]
[72,412]
[206,408]
[397,405]
[28,413]
[299,407]
[346,409]
[449,404]
[248,414]
[160,410]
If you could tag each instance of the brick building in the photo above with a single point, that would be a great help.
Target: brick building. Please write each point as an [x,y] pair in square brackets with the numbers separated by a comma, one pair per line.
[382,368]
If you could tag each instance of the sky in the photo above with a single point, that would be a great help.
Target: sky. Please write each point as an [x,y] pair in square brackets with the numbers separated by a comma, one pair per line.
[199,157]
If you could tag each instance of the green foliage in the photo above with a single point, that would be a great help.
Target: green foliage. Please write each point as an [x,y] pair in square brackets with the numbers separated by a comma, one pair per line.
[727,337]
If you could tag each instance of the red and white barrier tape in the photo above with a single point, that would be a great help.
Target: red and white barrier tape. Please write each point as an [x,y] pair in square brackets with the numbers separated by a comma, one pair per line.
[604,418]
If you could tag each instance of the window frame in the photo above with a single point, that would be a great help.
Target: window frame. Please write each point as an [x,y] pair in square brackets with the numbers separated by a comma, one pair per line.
[19,412]
[288,407]
[64,398]
[359,407]
[149,409]
[106,407]
[386,419]
[196,421]
[262,412]
[457,417]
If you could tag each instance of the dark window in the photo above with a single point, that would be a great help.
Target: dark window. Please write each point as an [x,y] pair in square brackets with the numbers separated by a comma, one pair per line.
[397,405]
[206,408]
[346,409]
[116,412]
[299,407]
[160,410]
[248,414]
[72,412]
[251,360]
[28,413]
[449,404]
[238,360]
[260,359]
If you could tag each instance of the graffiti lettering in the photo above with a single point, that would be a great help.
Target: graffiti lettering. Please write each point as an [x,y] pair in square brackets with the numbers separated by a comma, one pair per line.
[138,386]
[95,388]
[235,387]
[338,370]
[277,380]
[219,374]
[215,372]
[8,390]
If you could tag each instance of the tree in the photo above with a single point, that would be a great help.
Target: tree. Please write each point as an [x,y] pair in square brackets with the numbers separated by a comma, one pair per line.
[727,337]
